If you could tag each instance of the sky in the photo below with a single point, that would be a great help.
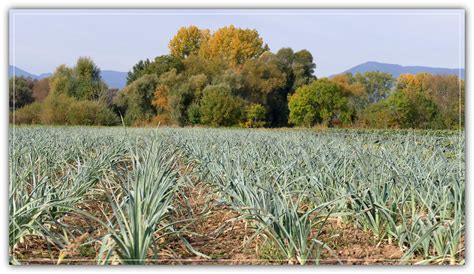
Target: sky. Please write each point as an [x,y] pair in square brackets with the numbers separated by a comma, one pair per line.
[41,40]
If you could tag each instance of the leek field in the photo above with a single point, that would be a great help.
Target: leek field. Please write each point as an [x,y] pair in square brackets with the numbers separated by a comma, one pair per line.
[92,195]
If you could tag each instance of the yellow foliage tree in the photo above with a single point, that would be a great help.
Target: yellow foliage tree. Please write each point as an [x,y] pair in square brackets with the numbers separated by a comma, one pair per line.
[414,82]
[187,41]
[235,45]
[349,85]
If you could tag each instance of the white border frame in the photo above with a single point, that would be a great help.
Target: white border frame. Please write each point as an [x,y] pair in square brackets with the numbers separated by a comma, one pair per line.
[240,4]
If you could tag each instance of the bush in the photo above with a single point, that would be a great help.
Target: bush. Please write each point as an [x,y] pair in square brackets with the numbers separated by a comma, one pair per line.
[91,113]
[256,114]
[56,109]
[64,110]
[402,109]
[194,116]
[219,107]
[29,114]
[320,102]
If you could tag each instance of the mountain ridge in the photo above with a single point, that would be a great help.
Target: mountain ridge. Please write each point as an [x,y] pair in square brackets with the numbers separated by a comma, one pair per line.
[396,69]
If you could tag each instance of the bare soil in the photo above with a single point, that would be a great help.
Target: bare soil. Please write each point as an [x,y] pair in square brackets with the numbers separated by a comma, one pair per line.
[215,233]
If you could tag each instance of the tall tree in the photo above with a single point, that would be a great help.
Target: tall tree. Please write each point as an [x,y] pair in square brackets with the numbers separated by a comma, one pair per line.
[377,84]
[187,41]
[235,45]
[41,89]
[160,65]
[303,68]
[265,83]
[82,82]
[88,82]
[138,70]
[62,81]
[136,99]
[354,90]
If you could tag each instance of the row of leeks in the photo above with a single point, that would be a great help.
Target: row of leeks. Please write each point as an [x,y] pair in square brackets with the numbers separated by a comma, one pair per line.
[406,189]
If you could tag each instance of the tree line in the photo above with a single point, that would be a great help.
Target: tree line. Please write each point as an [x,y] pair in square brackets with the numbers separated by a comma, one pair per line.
[230,77]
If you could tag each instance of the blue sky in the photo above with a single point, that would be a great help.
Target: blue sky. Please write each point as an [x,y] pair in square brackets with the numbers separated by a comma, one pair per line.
[40,40]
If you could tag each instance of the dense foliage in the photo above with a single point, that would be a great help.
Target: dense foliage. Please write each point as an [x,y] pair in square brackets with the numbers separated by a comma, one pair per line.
[71,96]
[262,89]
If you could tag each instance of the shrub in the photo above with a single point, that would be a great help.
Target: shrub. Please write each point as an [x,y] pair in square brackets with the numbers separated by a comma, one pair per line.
[320,102]
[219,107]
[64,110]
[56,109]
[256,114]
[29,114]
[194,116]
[91,113]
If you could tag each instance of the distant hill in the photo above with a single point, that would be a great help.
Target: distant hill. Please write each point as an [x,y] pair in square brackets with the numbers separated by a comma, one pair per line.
[396,70]
[114,79]
[20,72]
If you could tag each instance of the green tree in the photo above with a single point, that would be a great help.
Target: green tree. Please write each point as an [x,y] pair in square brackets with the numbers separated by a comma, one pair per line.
[320,102]
[136,99]
[402,109]
[376,84]
[82,82]
[256,115]
[21,93]
[139,69]
[219,107]
[303,68]
[160,65]
[62,81]
[194,114]
[265,83]
[446,91]
[88,82]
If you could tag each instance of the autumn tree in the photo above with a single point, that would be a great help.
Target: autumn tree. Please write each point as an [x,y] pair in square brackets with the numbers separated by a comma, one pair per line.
[41,89]
[354,90]
[448,93]
[234,45]
[187,41]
